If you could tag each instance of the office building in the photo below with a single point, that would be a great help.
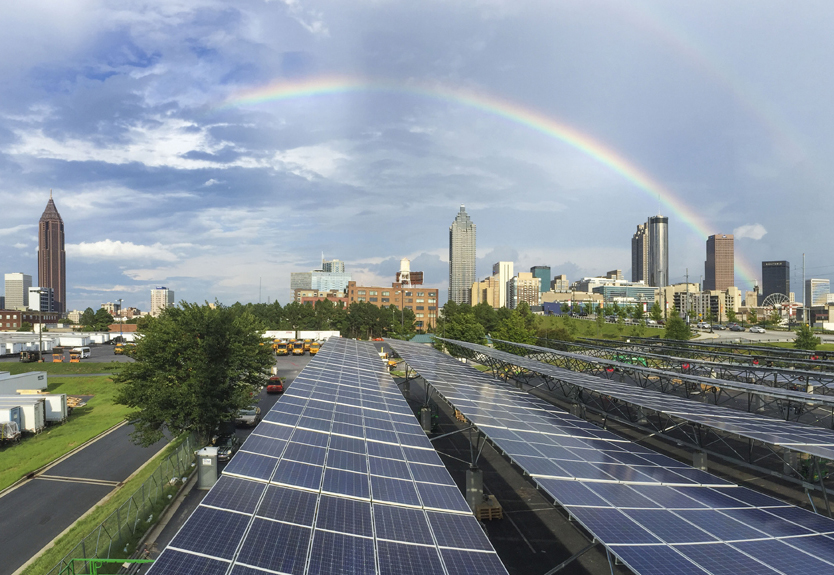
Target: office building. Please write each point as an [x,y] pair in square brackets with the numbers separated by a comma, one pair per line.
[17,290]
[52,260]
[319,280]
[312,296]
[543,273]
[719,268]
[658,251]
[776,278]
[503,271]
[12,320]
[422,301]
[626,293]
[560,283]
[41,299]
[486,291]
[462,241]
[640,254]
[406,277]
[523,287]
[615,275]
[161,298]
[333,266]
[816,292]
[113,309]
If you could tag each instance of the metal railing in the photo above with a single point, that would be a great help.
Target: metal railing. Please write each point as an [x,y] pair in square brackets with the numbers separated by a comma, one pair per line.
[116,536]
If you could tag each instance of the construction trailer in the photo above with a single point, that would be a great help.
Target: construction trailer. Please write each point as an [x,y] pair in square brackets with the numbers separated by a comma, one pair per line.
[32,411]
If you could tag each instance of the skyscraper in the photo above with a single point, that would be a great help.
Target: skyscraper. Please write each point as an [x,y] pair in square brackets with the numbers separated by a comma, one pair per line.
[658,251]
[52,261]
[543,273]
[640,254]
[461,258]
[816,292]
[719,268]
[17,290]
[504,272]
[161,297]
[776,278]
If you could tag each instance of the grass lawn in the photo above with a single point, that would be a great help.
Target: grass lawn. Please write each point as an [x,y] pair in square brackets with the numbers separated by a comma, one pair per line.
[789,344]
[85,422]
[588,328]
[85,526]
[15,367]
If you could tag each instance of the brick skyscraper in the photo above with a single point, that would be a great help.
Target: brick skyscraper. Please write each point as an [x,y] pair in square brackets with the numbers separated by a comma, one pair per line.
[52,264]
[719,269]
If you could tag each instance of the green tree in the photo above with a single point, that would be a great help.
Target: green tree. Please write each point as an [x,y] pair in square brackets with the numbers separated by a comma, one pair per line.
[551,328]
[615,309]
[710,317]
[620,322]
[732,317]
[565,307]
[600,321]
[656,313]
[638,312]
[515,329]
[25,326]
[676,328]
[805,338]
[752,316]
[486,316]
[196,366]
[88,318]
[464,327]
[103,319]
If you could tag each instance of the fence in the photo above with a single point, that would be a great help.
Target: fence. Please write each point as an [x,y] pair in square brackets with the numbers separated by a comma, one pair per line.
[115,536]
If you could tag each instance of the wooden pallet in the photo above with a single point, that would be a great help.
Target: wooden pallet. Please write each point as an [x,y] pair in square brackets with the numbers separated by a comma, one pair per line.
[459,416]
[489,510]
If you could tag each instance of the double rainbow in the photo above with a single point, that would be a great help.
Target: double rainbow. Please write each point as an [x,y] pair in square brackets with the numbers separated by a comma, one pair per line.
[324,85]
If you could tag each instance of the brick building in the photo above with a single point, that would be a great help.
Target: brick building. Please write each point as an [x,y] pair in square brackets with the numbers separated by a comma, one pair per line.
[11,320]
[422,301]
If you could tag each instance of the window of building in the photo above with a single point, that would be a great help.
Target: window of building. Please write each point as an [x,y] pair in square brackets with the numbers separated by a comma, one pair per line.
[409,307]
[360,299]
[386,293]
[420,300]
[386,299]
[409,300]
[419,315]
[408,294]
[372,293]
[420,294]
[373,298]
[361,292]
[432,307]
[419,307]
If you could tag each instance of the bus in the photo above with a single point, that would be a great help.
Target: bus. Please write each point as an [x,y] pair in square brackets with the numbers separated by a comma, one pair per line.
[84,351]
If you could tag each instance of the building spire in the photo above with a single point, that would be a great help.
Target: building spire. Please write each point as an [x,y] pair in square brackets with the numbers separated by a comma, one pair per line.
[50,193]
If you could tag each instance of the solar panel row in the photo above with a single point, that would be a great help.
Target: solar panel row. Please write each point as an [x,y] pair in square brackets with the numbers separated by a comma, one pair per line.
[790,434]
[657,515]
[337,478]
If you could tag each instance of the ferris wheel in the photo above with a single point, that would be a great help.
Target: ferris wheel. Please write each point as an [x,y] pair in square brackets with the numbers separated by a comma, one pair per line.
[778,303]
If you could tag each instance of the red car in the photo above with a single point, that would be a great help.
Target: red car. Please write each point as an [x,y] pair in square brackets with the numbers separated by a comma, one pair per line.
[275,385]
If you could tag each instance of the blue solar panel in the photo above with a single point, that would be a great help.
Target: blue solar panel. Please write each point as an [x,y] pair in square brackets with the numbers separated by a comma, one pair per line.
[352,444]
[174,562]
[668,526]
[345,516]
[274,431]
[339,553]
[656,560]
[442,497]
[346,483]
[385,450]
[388,490]
[464,562]
[612,526]
[720,558]
[297,474]
[263,445]
[212,532]
[275,546]
[403,559]
[772,525]
[251,465]
[235,494]
[347,460]
[389,467]
[305,453]
[290,505]
[403,524]
[460,531]
[430,474]
[785,558]
[621,495]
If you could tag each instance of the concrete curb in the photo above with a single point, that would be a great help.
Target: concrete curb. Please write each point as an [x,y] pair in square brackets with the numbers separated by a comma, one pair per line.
[33,474]
[104,499]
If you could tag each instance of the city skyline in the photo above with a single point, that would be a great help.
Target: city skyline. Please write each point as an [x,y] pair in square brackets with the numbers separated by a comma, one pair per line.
[183,160]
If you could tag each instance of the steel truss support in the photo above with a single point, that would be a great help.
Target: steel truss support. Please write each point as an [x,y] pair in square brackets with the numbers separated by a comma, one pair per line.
[573,557]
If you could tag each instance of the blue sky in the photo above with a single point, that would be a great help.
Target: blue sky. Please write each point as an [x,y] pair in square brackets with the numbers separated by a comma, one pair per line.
[118,107]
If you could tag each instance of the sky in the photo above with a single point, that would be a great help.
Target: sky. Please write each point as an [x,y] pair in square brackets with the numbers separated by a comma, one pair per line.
[215,147]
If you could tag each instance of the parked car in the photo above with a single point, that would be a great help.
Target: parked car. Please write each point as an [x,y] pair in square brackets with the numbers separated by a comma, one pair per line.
[275,385]
[757,329]
[250,417]
[718,327]
[227,446]
[736,327]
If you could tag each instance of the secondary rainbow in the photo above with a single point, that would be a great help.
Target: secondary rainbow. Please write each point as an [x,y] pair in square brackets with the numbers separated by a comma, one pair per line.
[511,111]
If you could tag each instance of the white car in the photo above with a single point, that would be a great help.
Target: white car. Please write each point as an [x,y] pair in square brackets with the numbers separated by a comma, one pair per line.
[757,329]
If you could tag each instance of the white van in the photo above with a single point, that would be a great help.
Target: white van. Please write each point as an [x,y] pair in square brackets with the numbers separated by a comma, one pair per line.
[84,351]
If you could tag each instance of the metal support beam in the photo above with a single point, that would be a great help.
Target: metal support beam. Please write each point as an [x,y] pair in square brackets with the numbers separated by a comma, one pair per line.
[452,433]
[572,558]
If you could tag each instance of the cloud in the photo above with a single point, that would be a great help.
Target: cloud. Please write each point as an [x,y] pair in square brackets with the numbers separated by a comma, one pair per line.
[110,250]
[752,231]
[15,229]
[20,246]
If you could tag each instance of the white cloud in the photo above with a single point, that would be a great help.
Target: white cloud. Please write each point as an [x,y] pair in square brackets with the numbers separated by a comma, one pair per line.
[20,246]
[14,230]
[212,182]
[109,249]
[752,231]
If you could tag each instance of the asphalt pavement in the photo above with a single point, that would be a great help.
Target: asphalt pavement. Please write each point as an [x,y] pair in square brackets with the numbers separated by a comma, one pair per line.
[40,509]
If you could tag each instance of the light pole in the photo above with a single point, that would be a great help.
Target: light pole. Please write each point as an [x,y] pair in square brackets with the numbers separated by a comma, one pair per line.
[40,326]
[121,322]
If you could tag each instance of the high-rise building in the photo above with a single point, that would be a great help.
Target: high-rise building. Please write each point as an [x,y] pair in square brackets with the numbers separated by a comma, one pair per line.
[640,254]
[461,258]
[560,283]
[486,291]
[503,271]
[543,273]
[41,299]
[17,290]
[816,292]
[523,287]
[776,278]
[658,251]
[333,266]
[52,261]
[719,269]
[161,297]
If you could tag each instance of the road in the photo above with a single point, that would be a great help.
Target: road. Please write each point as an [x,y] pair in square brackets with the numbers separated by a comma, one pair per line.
[41,508]
[98,354]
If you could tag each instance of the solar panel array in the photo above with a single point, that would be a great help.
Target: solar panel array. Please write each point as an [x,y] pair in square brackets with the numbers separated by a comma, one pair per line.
[657,515]
[789,434]
[337,478]
[757,389]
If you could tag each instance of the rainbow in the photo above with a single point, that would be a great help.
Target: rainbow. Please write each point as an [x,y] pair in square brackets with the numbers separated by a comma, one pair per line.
[505,109]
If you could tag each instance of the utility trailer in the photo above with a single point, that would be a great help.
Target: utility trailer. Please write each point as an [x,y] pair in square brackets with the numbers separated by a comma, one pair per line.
[32,411]
[11,414]
[9,432]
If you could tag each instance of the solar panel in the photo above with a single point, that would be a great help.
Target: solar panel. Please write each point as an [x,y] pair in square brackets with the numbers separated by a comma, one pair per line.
[796,436]
[657,515]
[337,478]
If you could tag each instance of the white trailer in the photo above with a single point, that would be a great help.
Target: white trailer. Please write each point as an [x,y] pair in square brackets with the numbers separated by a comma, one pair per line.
[318,335]
[10,384]
[10,414]
[56,407]
[32,411]
[279,334]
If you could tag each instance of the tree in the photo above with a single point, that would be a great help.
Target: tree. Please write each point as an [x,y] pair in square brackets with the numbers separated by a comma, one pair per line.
[565,307]
[752,316]
[656,313]
[464,327]
[732,317]
[25,326]
[486,316]
[676,328]
[638,312]
[805,338]
[515,329]
[196,366]
[550,328]
[88,318]
[710,317]
[103,319]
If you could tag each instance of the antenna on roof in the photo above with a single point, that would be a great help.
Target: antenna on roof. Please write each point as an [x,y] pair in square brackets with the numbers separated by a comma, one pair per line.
[50,193]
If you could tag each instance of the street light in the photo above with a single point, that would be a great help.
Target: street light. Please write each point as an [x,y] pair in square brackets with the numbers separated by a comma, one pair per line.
[121,321]
[40,326]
